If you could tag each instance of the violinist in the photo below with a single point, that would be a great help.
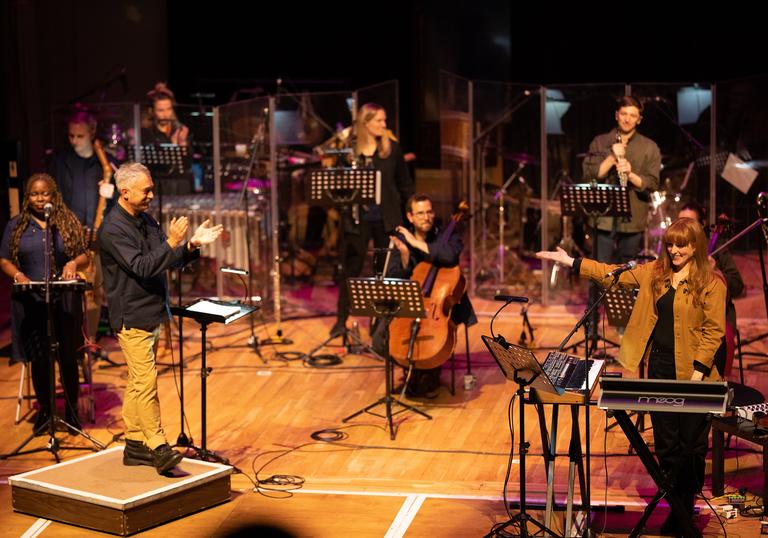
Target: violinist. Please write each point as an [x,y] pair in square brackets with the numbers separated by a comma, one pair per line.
[724,263]
[419,243]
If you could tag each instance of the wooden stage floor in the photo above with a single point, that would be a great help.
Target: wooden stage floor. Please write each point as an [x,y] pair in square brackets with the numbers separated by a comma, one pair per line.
[439,477]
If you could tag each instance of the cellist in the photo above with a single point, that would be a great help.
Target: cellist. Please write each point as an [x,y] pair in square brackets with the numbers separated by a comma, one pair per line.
[418,243]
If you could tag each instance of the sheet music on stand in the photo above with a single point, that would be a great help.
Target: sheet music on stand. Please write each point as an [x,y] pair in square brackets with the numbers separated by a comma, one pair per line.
[213,311]
[619,303]
[172,157]
[331,186]
[588,199]
[377,297]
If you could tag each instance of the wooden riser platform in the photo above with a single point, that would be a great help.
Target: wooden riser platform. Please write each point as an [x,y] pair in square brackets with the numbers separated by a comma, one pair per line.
[97,491]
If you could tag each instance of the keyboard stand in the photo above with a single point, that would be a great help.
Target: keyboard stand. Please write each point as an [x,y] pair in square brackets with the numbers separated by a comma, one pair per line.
[575,455]
[660,479]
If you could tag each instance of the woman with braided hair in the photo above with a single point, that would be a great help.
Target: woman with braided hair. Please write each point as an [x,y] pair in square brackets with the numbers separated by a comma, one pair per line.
[22,258]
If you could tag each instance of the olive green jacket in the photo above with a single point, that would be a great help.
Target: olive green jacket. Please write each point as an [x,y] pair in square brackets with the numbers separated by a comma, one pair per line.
[698,329]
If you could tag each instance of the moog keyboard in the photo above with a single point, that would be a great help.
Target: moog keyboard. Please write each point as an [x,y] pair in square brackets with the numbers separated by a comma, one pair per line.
[664,395]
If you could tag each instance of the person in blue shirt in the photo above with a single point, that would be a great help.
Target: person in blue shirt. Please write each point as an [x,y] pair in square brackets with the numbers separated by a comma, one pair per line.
[22,258]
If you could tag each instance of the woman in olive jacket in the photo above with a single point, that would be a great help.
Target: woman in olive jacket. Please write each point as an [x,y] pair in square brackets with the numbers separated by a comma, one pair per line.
[677,325]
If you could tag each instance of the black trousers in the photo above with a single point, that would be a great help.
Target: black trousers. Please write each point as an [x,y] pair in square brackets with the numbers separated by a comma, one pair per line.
[681,439]
[356,238]
[32,332]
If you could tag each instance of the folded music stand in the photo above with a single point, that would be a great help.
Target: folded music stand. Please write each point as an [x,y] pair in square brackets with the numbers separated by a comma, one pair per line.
[341,188]
[205,312]
[387,298]
[592,201]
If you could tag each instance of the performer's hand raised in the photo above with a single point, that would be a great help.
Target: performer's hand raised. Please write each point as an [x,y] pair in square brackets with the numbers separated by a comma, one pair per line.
[206,233]
[177,231]
[558,256]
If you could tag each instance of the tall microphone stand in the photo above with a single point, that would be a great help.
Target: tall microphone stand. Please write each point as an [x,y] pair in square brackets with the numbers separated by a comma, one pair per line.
[582,322]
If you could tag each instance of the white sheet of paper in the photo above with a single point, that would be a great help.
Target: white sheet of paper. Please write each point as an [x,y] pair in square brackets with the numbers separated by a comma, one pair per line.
[740,177]
[207,307]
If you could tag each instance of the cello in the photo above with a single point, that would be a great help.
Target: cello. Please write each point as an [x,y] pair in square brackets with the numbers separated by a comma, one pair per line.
[434,336]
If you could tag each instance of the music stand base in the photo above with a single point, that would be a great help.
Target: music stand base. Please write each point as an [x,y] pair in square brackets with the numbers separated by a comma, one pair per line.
[350,340]
[388,401]
[54,445]
[521,520]
[205,455]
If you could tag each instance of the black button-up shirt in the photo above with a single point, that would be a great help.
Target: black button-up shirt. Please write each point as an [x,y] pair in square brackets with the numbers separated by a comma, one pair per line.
[134,257]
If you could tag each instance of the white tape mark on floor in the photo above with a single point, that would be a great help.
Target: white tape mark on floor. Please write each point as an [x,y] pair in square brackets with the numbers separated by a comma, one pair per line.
[37,528]
[405,516]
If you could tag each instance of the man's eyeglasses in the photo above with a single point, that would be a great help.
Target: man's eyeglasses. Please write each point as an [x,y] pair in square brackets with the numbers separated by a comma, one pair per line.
[422,214]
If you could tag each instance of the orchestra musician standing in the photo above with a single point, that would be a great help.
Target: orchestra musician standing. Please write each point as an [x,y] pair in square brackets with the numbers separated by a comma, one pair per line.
[372,147]
[676,325]
[22,258]
[83,172]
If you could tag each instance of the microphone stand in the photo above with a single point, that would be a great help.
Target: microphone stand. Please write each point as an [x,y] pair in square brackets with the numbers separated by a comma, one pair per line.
[587,494]
[53,446]
[253,341]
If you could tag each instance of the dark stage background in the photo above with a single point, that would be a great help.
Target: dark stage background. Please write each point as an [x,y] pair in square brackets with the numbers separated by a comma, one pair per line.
[54,53]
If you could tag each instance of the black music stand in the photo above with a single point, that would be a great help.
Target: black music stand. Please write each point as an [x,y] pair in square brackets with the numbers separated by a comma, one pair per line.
[387,298]
[162,160]
[520,365]
[592,201]
[619,303]
[341,188]
[205,312]
[48,288]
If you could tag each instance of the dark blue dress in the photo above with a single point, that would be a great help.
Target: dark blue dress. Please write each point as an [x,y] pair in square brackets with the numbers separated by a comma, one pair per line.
[28,310]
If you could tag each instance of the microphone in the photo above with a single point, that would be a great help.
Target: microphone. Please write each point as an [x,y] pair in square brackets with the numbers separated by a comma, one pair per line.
[510,298]
[234,271]
[631,264]
[48,208]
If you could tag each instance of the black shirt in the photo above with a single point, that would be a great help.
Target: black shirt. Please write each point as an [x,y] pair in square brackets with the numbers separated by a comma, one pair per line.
[664,332]
[134,257]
